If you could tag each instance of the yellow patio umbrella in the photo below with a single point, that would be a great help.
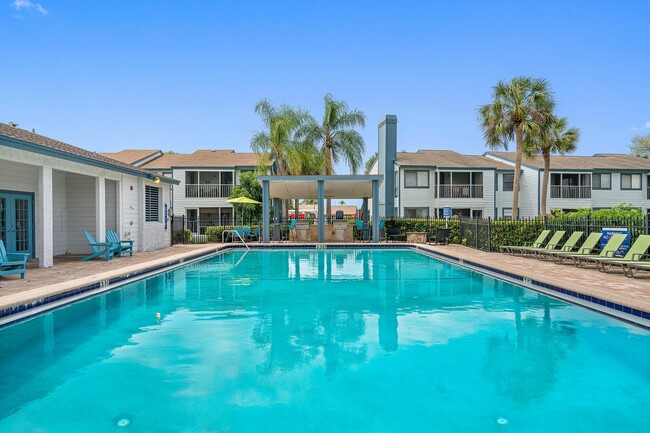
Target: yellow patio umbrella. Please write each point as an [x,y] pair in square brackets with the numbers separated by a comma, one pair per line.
[242,200]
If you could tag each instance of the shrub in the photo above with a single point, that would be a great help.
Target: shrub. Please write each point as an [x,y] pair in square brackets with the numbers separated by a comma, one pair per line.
[213,233]
[182,236]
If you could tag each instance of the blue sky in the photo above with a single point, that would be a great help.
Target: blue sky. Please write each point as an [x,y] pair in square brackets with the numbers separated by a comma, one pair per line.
[186,75]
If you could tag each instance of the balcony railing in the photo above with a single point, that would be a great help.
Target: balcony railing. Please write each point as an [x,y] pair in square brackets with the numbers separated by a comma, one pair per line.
[559,191]
[648,193]
[208,191]
[460,191]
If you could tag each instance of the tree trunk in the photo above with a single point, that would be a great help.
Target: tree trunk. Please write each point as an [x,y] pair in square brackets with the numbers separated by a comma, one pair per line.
[546,176]
[517,179]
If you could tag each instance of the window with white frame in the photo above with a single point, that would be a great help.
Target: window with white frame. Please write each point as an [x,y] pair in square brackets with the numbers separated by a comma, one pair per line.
[601,181]
[151,204]
[416,179]
[416,212]
[631,181]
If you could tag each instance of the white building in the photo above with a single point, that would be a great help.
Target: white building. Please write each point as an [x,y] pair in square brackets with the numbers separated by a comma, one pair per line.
[50,192]
[598,182]
[420,184]
[205,181]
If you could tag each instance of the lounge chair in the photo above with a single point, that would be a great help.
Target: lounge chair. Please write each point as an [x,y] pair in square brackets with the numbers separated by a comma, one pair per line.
[631,269]
[105,249]
[552,245]
[12,263]
[510,249]
[608,251]
[585,249]
[119,245]
[569,245]
[441,236]
[634,255]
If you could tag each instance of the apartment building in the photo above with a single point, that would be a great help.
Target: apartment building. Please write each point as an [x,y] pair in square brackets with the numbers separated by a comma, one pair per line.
[420,184]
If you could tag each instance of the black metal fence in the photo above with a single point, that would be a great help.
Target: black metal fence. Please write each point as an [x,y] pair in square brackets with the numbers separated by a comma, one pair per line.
[489,234]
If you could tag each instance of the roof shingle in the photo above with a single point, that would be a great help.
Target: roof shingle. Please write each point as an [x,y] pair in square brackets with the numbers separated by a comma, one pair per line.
[204,158]
[599,161]
[448,159]
[131,156]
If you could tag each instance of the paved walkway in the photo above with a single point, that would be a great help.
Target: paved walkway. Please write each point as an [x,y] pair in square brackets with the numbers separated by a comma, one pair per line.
[69,273]
[611,286]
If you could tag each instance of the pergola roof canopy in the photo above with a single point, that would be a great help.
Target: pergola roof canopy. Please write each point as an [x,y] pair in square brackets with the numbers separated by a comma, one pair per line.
[306,187]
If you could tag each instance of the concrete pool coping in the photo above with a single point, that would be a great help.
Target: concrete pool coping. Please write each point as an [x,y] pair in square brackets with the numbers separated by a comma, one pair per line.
[612,293]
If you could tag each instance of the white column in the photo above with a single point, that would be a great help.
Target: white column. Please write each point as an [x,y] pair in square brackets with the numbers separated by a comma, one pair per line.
[45,229]
[120,211]
[100,209]
[141,214]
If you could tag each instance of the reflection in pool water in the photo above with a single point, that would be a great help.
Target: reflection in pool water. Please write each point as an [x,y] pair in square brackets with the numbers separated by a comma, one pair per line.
[330,340]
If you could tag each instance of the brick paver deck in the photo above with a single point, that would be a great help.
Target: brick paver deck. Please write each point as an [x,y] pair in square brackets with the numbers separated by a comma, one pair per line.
[69,273]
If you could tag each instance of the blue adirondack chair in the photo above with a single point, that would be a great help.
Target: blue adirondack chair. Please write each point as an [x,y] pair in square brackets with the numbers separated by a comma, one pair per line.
[99,248]
[12,263]
[120,246]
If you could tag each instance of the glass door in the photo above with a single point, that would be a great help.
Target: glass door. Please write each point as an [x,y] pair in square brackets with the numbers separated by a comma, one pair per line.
[16,222]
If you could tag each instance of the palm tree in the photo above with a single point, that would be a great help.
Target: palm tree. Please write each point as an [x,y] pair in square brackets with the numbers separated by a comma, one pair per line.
[338,137]
[520,110]
[280,135]
[556,138]
[371,161]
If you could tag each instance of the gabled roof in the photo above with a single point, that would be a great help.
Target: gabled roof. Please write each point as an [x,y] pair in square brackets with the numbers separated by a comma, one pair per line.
[19,138]
[134,156]
[448,159]
[204,158]
[599,161]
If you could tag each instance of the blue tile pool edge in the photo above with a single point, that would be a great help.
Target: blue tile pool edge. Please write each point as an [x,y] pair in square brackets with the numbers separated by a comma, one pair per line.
[623,313]
[619,312]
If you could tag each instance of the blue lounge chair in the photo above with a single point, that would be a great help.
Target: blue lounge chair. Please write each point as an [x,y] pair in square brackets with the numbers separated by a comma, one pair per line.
[99,248]
[288,233]
[12,263]
[363,232]
[119,245]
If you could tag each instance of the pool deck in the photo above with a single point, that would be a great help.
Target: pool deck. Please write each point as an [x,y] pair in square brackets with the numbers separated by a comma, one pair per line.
[69,273]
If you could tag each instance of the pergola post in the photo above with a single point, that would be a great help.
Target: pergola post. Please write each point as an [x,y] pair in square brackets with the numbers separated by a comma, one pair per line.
[375,211]
[277,215]
[321,215]
[265,211]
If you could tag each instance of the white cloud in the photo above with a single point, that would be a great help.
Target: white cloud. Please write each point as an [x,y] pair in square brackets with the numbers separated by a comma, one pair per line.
[645,126]
[27,4]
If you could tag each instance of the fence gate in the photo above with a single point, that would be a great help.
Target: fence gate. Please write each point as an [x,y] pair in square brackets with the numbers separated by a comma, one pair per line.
[475,233]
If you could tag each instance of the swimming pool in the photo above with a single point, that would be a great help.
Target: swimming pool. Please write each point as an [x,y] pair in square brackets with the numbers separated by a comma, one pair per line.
[323,341]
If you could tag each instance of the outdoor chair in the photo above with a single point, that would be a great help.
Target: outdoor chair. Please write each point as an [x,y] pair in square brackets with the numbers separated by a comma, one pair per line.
[363,233]
[441,236]
[569,245]
[394,234]
[608,251]
[119,245]
[552,245]
[382,223]
[511,249]
[289,233]
[631,269]
[634,255]
[254,235]
[587,247]
[105,249]
[12,263]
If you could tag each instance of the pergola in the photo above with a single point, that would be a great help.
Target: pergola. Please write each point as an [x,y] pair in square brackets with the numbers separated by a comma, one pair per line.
[320,188]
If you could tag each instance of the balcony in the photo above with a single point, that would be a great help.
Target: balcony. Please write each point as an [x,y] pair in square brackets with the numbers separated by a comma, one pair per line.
[208,190]
[648,193]
[460,191]
[575,192]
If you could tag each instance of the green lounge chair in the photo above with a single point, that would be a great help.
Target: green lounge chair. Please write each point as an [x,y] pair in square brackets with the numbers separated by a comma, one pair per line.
[585,249]
[119,245]
[608,251]
[105,249]
[569,245]
[12,263]
[634,255]
[510,249]
[550,246]
[631,269]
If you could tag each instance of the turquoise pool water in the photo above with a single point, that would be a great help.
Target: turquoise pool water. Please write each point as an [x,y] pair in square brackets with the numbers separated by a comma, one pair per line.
[323,341]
